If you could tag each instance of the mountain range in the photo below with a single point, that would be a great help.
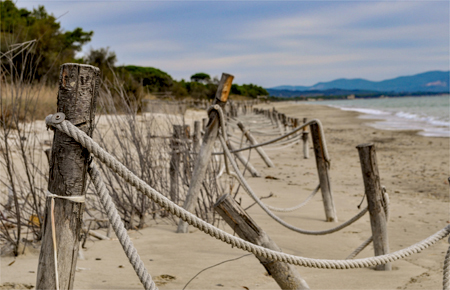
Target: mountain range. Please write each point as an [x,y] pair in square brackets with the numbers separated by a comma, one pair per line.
[427,82]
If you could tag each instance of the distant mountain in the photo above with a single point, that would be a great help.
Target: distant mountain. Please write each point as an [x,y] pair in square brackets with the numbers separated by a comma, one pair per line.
[432,81]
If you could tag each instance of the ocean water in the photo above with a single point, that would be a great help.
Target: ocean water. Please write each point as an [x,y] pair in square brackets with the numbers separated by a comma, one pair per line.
[429,114]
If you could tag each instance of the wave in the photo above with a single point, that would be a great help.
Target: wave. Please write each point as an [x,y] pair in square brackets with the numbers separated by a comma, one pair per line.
[427,119]
[401,120]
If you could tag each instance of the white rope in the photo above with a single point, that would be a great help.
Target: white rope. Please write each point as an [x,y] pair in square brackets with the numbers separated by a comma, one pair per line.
[297,206]
[74,198]
[248,189]
[446,280]
[385,203]
[119,229]
[191,219]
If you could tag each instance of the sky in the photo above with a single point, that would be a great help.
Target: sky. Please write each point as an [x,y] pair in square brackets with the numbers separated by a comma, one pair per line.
[268,43]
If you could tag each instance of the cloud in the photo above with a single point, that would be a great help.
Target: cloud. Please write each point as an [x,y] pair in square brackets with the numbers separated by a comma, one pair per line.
[266,42]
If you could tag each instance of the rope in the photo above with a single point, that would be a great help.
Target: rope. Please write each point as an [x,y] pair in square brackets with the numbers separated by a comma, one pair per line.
[446,280]
[297,206]
[385,204]
[314,121]
[191,219]
[248,189]
[75,198]
[119,229]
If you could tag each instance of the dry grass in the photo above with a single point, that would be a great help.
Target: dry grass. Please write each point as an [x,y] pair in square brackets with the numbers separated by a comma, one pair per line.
[28,102]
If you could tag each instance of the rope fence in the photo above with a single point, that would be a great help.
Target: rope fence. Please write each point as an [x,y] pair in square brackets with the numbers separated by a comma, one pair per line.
[191,219]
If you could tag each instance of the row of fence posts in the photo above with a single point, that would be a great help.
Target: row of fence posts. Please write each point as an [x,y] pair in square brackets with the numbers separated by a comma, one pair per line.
[77,95]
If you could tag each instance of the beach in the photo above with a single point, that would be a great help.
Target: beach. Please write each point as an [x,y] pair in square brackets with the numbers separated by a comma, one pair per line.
[413,168]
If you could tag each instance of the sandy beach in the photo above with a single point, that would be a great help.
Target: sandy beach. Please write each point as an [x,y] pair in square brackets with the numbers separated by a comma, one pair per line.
[414,169]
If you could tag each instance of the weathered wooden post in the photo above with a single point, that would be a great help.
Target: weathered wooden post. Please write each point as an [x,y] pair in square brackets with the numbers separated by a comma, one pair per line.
[176,145]
[305,140]
[245,227]
[253,141]
[375,201]
[204,122]
[77,95]
[322,170]
[201,163]
[244,162]
[196,137]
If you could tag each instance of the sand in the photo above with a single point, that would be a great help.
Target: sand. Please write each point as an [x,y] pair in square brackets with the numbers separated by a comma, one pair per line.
[413,168]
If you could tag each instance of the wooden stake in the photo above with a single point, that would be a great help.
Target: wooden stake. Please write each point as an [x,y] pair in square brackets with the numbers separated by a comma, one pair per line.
[77,95]
[175,160]
[244,161]
[245,227]
[369,168]
[305,140]
[196,137]
[322,170]
[201,163]
[253,141]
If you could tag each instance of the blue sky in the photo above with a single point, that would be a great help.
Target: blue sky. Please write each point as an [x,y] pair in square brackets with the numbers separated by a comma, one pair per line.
[268,43]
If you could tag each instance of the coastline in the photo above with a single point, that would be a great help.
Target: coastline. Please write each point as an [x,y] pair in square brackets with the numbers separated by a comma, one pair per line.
[427,114]
[413,168]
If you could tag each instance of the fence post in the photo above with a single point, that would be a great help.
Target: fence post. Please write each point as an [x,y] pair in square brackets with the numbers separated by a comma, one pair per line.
[371,176]
[322,170]
[235,216]
[196,137]
[174,166]
[305,140]
[202,160]
[253,141]
[77,95]
[244,161]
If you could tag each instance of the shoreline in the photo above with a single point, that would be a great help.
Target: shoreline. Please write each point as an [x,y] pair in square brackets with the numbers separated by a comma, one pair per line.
[398,116]
[419,207]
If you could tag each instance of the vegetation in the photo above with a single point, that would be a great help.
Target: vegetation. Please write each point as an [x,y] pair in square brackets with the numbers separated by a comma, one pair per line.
[51,45]
[200,78]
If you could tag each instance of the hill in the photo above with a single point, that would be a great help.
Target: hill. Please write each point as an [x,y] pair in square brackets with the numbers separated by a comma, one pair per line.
[428,82]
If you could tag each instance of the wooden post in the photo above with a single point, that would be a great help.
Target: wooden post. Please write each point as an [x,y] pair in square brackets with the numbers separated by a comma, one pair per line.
[196,137]
[253,141]
[185,149]
[305,140]
[369,168]
[244,161]
[77,95]
[201,163]
[322,170]
[204,122]
[245,227]
[175,160]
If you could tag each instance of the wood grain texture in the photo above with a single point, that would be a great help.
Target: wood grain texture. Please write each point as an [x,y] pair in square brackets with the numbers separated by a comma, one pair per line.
[245,227]
[77,95]
[201,163]
[324,178]
[372,186]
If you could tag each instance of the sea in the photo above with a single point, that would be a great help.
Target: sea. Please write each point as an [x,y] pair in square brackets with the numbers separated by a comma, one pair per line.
[429,114]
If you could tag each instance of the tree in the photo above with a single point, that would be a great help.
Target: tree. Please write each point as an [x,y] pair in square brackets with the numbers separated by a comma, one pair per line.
[153,79]
[249,90]
[103,59]
[53,46]
[203,78]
